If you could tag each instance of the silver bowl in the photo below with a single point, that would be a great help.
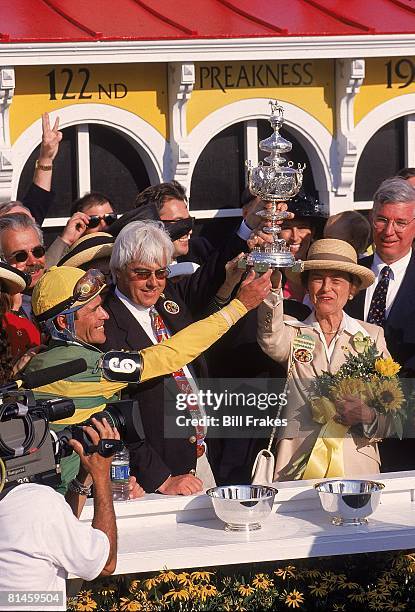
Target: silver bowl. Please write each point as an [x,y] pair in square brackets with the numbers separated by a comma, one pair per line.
[242,507]
[349,502]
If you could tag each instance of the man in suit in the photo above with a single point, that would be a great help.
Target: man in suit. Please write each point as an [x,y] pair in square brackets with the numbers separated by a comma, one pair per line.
[144,308]
[390,302]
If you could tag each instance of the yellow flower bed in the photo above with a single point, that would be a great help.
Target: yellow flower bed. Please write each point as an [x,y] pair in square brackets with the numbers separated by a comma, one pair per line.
[378,581]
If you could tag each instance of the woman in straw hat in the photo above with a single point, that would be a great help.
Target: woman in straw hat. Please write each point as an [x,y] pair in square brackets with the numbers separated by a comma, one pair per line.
[321,343]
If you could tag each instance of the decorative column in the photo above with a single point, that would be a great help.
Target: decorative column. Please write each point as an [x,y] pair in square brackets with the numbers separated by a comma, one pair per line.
[181,83]
[350,75]
[7,84]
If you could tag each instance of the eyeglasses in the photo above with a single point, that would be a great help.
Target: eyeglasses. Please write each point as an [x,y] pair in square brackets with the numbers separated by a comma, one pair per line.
[399,226]
[143,274]
[109,218]
[21,256]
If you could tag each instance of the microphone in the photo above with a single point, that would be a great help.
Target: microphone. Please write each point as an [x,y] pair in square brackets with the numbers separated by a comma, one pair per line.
[46,376]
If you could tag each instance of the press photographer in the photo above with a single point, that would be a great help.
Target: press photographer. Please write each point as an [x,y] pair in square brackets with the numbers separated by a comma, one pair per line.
[42,539]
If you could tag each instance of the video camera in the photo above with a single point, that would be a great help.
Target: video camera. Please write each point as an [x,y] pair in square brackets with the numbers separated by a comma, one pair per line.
[30,450]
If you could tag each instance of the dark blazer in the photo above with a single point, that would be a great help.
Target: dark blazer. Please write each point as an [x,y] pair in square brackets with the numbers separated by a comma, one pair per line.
[157,457]
[396,455]
[400,324]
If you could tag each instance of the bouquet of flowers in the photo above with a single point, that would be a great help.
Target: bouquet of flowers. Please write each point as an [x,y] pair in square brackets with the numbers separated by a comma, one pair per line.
[367,375]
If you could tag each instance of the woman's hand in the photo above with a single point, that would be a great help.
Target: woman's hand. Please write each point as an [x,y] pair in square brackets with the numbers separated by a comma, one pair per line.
[351,410]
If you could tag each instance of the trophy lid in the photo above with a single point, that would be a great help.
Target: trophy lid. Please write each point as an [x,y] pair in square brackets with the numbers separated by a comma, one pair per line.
[276,182]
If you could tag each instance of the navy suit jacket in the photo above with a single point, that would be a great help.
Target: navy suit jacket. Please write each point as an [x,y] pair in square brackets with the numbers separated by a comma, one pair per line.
[157,456]
[400,324]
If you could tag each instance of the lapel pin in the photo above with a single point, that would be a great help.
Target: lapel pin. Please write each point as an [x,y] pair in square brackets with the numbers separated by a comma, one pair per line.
[171,307]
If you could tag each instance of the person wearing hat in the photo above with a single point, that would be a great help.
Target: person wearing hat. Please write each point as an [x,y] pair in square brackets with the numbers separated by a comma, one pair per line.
[332,277]
[22,335]
[68,303]
[91,251]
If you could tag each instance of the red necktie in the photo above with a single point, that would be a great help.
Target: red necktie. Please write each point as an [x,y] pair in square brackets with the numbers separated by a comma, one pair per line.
[160,332]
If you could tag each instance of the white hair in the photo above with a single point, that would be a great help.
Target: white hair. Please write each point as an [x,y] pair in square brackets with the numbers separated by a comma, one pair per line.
[143,241]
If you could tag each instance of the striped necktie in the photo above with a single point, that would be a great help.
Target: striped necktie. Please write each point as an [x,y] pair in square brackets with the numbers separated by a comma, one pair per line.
[182,382]
[377,310]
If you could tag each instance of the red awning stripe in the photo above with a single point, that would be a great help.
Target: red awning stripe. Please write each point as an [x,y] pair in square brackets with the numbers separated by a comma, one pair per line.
[72,20]
[340,17]
[253,18]
[404,6]
[165,19]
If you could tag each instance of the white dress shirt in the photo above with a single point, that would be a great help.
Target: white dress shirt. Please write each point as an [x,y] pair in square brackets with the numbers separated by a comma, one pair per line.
[398,272]
[142,316]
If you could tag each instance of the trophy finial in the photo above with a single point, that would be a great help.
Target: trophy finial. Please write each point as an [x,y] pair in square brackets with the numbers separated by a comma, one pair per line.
[276,109]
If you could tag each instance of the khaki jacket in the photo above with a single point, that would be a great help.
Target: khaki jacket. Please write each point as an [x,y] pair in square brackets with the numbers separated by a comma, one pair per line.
[276,333]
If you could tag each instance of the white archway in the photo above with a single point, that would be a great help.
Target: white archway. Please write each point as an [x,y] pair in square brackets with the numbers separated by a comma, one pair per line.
[148,142]
[377,118]
[313,136]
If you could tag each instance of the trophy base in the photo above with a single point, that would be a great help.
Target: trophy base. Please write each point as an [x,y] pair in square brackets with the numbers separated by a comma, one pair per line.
[261,261]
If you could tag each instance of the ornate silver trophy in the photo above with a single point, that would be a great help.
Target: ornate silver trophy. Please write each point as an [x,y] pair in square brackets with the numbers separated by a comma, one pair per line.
[274,183]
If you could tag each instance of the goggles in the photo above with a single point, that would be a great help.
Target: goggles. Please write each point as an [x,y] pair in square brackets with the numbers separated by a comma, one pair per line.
[109,218]
[20,256]
[88,286]
[143,274]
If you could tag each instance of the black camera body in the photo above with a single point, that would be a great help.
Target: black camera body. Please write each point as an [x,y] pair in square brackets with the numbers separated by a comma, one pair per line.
[32,452]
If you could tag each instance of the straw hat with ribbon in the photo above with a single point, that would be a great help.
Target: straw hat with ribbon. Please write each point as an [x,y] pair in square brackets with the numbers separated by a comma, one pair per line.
[332,254]
[12,280]
[88,248]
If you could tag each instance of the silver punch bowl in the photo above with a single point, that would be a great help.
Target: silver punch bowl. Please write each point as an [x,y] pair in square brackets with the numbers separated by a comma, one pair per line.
[349,502]
[242,507]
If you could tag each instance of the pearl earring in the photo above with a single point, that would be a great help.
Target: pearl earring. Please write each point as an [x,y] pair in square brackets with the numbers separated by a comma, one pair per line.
[350,297]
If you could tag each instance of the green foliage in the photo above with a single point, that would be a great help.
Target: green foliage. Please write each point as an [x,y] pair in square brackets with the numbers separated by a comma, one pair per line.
[376,581]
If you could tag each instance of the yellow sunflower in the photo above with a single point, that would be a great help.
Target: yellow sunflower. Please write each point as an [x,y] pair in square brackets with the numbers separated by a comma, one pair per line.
[318,590]
[395,607]
[359,597]
[350,386]
[204,591]
[339,607]
[387,582]
[262,581]
[389,394]
[86,604]
[166,576]
[245,590]
[294,599]
[183,578]
[149,583]
[130,605]
[286,572]
[201,575]
[387,367]
[180,595]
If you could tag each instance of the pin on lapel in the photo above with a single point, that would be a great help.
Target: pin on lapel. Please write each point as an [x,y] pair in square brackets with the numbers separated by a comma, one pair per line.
[171,307]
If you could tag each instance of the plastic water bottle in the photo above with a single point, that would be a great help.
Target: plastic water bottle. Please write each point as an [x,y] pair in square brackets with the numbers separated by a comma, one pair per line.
[120,475]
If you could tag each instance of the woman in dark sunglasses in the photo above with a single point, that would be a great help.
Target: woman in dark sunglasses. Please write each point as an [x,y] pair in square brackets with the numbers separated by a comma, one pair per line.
[99,210]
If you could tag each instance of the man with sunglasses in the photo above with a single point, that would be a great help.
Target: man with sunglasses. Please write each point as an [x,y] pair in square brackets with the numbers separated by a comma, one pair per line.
[99,211]
[144,308]
[67,301]
[390,302]
[21,246]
